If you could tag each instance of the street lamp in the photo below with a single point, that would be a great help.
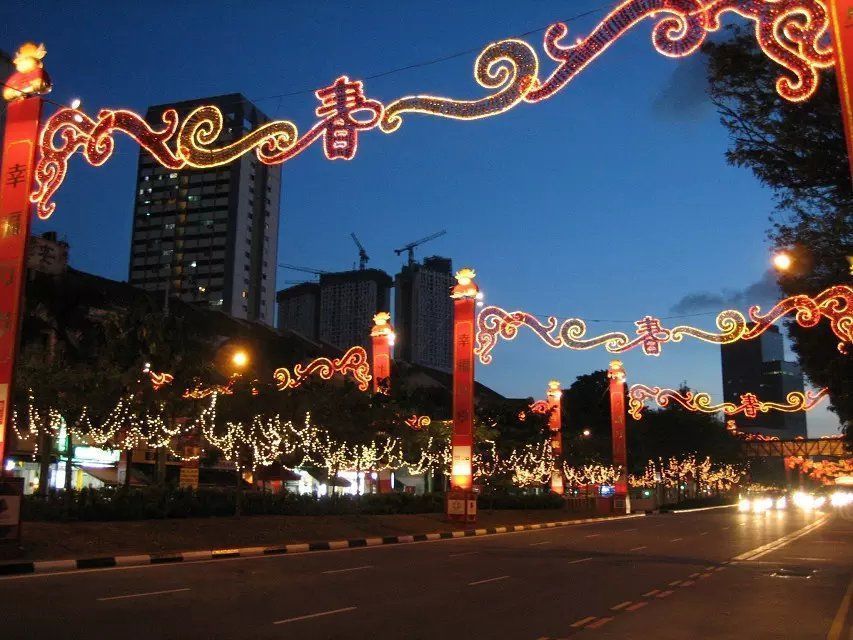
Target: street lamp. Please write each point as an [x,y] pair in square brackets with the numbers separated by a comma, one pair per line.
[586,433]
[782,261]
[240,359]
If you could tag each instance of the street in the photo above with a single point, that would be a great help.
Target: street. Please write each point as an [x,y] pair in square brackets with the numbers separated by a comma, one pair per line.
[713,573]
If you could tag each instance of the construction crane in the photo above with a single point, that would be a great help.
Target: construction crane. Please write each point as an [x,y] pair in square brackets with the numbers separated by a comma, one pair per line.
[411,246]
[294,267]
[362,254]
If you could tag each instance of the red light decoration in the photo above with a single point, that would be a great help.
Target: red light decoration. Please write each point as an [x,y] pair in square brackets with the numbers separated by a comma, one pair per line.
[790,32]
[354,362]
[200,392]
[834,303]
[750,406]
[540,406]
[160,380]
[417,422]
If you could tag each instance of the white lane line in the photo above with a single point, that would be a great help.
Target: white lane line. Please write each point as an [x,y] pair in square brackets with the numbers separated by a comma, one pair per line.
[463,553]
[725,529]
[316,615]
[536,544]
[704,533]
[582,622]
[366,566]
[580,560]
[471,584]
[627,530]
[676,539]
[651,593]
[141,595]
[763,550]
[638,548]
[621,605]
[593,535]
[841,615]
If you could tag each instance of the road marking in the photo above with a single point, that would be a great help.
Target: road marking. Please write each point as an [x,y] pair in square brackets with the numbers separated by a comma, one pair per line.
[471,584]
[638,605]
[704,533]
[674,583]
[705,575]
[536,544]
[649,594]
[598,623]
[724,529]
[807,559]
[763,550]
[627,530]
[709,567]
[841,615]
[638,548]
[582,622]
[661,524]
[687,583]
[621,605]
[580,560]
[464,553]
[316,615]
[718,568]
[367,566]
[693,575]
[593,535]
[664,594]
[141,595]
[676,539]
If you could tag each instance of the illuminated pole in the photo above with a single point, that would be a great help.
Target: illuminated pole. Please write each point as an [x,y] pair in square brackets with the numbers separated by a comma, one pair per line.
[841,20]
[616,373]
[464,296]
[382,335]
[22,92]
[555,423]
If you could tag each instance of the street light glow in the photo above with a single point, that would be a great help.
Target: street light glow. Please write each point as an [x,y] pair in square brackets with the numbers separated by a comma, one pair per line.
[240,359]
[782,261]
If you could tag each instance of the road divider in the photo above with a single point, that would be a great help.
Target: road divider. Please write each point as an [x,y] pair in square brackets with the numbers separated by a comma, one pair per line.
[754,554]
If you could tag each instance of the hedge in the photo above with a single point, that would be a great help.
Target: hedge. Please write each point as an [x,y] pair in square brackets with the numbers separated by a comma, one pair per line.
[165,502]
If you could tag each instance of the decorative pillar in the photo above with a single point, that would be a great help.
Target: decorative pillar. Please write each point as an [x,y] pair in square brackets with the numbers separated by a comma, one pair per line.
[841,20]
[383,339]
[22,92]
[554,397]
[382,335]
[616,373]
[461,502]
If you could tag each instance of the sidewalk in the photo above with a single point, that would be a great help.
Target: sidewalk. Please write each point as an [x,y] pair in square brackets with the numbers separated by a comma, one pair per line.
[63,540]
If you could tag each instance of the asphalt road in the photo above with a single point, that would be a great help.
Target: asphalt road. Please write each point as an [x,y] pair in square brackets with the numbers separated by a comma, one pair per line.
[697,575]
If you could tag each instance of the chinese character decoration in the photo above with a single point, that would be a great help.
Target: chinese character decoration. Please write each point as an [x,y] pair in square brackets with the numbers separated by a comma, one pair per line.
[792,33]
[750,406]
[354,362]
[834,304]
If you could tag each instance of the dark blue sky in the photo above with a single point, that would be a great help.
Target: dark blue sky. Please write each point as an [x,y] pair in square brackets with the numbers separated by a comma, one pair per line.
[611,200]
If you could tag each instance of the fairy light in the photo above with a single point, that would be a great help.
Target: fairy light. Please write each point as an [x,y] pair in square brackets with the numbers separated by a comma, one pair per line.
[823,471]
[834,303]
[354,362]
[701,402]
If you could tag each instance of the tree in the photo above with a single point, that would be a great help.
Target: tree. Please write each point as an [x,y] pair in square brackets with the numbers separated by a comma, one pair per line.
[586,406]
[798,150]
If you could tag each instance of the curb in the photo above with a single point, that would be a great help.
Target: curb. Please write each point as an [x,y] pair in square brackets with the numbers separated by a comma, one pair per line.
[57,566]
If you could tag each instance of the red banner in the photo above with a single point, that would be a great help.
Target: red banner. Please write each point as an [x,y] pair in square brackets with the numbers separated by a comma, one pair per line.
[463,393]
[16,179]
[842,40]
[381,362]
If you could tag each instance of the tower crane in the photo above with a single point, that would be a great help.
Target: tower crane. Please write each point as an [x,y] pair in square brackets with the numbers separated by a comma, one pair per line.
[362,254]
[295,267]
[411,246]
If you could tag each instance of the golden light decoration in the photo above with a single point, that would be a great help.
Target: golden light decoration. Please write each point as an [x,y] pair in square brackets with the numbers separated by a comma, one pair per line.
[417,422]
[824,471]
[835,304]
[750,406]
[354,362]
[790,32]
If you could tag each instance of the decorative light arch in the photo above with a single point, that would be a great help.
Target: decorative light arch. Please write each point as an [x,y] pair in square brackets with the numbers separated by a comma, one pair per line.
[790,32]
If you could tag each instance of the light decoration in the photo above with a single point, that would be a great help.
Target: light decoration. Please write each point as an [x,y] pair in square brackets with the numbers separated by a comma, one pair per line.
[790,32]
[382,339]
[417,422]
[672,472]
[732,428]
[354,362]
[834,303]
[750,406]
[823,471]
[158,380]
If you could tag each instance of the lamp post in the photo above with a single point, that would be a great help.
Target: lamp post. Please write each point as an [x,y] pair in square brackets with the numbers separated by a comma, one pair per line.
[382,336]
[461,502]
[616,374]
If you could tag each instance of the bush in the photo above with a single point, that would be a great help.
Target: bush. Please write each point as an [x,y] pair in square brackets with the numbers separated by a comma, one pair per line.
[113,503]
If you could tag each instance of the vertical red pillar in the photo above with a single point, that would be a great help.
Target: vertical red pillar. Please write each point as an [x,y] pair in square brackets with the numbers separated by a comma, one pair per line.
[382,335]
[20,140]
[461,502]
[554,396]
[841,20]
[616,373]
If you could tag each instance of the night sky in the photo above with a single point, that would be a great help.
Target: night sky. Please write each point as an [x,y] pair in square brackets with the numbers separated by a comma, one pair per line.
[609,201]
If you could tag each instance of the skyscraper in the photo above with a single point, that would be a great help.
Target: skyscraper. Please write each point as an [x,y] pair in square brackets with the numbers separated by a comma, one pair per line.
[209,236]
[348,302]
[758,366]
[423,313]
[299,309]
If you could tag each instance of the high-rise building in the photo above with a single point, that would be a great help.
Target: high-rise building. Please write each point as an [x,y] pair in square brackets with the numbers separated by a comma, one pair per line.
[299,309]
[348,302]
[758,366]
[423,313]
[209,236]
